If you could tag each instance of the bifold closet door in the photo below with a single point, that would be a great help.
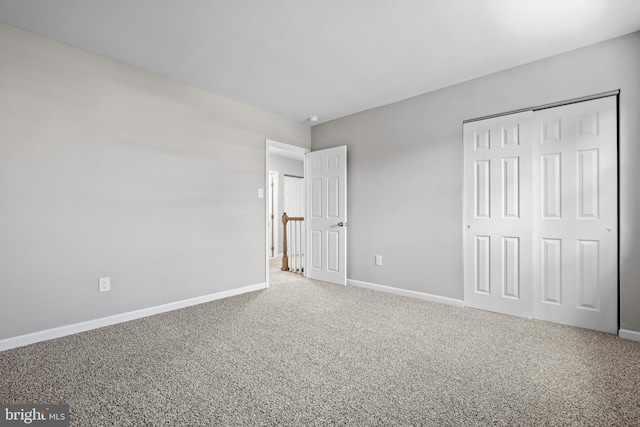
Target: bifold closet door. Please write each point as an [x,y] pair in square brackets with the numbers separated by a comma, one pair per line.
[575,214]
[497,214]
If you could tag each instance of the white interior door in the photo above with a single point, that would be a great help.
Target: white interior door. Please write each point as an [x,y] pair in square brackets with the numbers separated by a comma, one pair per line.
[326,177]
[575,204]
[294,195]
[497,214]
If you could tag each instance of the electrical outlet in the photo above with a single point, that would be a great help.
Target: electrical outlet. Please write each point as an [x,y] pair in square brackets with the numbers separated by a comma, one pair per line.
[260,193]
[104,284]
[378,259]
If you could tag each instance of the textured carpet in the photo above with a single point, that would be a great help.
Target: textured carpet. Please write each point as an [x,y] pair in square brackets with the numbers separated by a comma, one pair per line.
[308,353]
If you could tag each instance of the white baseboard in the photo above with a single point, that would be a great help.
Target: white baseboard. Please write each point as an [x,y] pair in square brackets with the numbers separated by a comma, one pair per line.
[48,334]
[406,293]
[629,335]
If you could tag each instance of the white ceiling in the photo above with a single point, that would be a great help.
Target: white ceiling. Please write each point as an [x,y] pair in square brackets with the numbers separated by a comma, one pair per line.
[328,58]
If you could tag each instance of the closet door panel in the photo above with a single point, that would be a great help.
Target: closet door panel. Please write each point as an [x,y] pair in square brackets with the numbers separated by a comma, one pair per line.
[575,207]
[497,214]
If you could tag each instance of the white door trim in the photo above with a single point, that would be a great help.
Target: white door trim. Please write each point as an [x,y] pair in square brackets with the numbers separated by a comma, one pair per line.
[273,204]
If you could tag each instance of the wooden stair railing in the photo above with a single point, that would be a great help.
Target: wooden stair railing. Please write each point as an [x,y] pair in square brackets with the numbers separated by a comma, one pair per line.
[297,265]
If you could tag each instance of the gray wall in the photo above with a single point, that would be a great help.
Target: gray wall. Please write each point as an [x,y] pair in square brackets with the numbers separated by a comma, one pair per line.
[405,168]
[106,170]
[284,166]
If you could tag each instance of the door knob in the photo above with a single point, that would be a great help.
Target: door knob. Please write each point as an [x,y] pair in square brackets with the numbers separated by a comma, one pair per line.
[342,224]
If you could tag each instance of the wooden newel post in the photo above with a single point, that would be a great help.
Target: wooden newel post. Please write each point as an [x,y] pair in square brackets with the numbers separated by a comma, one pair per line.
[285,258]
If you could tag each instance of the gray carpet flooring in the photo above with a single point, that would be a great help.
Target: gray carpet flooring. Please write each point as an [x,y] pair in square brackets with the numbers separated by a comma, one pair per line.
[306,353]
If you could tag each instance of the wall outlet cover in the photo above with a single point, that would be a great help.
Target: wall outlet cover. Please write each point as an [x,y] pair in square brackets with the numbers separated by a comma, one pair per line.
[104,284]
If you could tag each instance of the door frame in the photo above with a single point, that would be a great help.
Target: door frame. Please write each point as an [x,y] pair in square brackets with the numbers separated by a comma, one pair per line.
[275,147]
[273,204]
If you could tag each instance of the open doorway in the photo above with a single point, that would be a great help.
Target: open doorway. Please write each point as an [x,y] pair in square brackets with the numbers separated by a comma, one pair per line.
[285,165]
